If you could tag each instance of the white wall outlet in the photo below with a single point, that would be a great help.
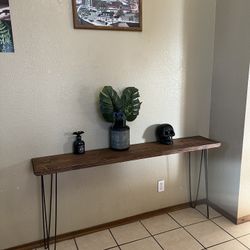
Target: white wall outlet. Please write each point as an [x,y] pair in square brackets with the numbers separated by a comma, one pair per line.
[161,186]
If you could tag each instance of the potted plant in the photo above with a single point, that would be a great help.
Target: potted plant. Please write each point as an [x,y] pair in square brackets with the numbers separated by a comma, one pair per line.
[117,110]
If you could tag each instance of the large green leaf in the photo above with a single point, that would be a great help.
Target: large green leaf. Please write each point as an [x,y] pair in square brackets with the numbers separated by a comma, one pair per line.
[130,103]
[110,103]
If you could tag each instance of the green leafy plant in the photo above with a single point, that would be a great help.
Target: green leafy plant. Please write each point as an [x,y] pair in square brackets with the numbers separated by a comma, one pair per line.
[112,105]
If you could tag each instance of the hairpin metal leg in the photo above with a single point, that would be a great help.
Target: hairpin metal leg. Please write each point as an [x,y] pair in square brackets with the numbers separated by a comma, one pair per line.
[206,180]
[55,212]
[47,215]
[190,179]
[44,214]
[199,179]
[194,203]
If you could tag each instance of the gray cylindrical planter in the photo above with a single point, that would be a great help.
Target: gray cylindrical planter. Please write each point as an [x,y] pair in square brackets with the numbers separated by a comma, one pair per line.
[119,138]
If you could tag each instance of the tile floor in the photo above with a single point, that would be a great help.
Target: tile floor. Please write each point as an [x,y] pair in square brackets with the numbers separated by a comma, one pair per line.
[186,229]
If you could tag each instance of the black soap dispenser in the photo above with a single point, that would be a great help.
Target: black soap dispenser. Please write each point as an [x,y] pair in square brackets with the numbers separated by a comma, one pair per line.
[79,145]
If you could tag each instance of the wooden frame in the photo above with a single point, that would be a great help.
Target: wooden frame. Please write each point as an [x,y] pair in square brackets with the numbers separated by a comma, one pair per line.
[104,25]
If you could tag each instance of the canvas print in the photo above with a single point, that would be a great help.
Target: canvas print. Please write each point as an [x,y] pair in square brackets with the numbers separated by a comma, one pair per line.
[6,37]
[108,14]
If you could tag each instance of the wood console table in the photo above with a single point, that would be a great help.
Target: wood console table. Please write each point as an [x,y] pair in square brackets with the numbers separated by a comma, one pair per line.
[52,165]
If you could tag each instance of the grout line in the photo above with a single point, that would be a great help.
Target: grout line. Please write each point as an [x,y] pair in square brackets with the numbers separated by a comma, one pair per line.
[170,230]
[114,238]
[110,248]
[188,232]
[174,220]
[229,233]
[196,223]
[209,213]
[219,216]
[152,235]
[216,217]
[76,244]
[180,227]
[242,235]
[221,228]
[134,241]
[243,244]
[211,219]
[205,218]
[220,243]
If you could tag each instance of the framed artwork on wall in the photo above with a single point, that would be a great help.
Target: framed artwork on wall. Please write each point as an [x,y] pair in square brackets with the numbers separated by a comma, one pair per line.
[6,37]
[108,14]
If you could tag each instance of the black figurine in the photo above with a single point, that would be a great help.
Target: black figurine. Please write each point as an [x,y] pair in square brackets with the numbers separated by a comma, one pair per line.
[165,133]
[79,145]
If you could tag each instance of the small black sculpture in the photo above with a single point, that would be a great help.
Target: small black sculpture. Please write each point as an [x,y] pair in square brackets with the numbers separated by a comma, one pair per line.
[79,145]
[165,133]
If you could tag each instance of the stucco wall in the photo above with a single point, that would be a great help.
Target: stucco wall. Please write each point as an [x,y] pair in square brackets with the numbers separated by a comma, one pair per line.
[228,103]
[49,88]
[244,199]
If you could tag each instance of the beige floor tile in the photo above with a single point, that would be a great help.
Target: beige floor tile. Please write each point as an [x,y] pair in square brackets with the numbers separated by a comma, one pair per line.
[145,244]
[64,245]
[245,240]
[212,213]
[231,245]
[230,227]
[130,232]
[187,216]
[96,241]
[178,239]
[114,248]
[208,234]
[160,224]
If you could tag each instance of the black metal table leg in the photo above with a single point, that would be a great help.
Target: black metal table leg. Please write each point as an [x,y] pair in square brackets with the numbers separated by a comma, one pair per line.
[206,180]
[44,215]
[204,157]
[194,203]
[190,179]
[47,215]
[55,212]
[199,179]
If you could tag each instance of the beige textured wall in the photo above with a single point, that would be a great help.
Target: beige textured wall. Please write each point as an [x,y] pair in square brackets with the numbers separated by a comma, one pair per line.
[49,88]
[244,199]
[228,107]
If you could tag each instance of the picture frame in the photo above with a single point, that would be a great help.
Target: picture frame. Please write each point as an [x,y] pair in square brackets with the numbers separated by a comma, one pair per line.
[6,35]
[123,15]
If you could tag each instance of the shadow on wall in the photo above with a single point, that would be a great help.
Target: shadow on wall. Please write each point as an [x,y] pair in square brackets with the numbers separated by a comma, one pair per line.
[196,58]
[197,74]
[198,16]
[149,133]
[188,92]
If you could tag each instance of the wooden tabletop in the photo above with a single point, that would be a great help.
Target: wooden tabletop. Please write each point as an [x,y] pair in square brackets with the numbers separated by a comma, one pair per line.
[93,158]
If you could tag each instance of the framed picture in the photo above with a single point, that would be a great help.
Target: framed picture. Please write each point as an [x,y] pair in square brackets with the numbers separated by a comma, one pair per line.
[108,14]
[6,37]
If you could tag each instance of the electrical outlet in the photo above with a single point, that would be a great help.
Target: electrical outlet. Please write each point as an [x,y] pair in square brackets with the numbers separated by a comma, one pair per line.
[161,186]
